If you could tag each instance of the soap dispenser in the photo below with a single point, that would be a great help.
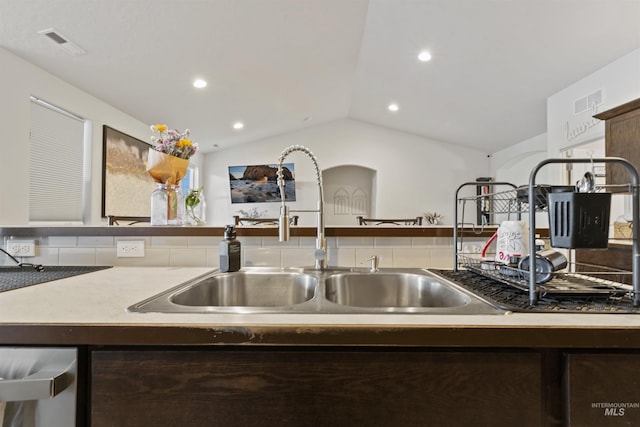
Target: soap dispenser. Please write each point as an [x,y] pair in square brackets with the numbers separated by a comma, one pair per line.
[229,250]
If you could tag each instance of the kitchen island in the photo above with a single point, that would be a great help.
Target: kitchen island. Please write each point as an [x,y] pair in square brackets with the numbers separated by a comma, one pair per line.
[82,306]
[325,369]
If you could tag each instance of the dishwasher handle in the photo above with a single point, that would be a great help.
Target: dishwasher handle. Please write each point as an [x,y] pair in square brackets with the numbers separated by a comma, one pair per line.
[44,384]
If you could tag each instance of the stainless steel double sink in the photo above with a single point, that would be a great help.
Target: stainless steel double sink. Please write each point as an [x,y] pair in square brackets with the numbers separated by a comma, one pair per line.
[306,290]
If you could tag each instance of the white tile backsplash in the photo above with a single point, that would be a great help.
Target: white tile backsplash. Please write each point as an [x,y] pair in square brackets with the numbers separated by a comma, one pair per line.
[213,257]
[442,258]
[203,241]
[45,256]
[202,251]
[261,257]
[60,241]
[308,242]
[77,256]
[411,257]
[355,242]
[95,241]
[147,240]
[442,241]
[247,241]
[364,255]
[385,242]
[107,256]
[169,241]
[187,257]
[422,242]
[297,257]
[269,241]
[153,257]
[342,257]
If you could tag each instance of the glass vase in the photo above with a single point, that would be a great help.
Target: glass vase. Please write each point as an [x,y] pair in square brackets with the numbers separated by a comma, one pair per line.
[167,205]
[195,207]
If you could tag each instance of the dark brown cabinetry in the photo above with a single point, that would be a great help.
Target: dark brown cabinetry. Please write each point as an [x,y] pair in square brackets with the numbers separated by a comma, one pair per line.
[603,389]
[316,387]
[617,257]
[622,139]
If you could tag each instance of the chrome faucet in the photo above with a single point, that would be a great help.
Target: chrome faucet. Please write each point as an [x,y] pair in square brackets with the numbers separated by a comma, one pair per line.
[320,254]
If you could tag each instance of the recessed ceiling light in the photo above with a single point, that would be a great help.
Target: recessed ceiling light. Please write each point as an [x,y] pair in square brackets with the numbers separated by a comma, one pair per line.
[393,107]
[199,83]
[238,125]
[424,56]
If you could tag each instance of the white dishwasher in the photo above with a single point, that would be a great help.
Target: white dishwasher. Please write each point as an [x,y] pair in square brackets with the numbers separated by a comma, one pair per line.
[38,386]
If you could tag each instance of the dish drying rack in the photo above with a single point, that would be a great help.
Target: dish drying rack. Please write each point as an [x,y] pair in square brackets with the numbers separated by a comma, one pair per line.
[583,280]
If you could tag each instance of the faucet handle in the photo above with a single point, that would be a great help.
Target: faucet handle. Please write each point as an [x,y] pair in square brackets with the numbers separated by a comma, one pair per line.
[375,262]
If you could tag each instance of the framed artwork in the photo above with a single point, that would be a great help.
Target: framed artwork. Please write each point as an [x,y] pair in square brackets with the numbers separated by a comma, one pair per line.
[126,185]
[258,183]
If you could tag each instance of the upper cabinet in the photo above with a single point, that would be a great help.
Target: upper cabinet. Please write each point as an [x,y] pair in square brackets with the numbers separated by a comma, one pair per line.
[622,138]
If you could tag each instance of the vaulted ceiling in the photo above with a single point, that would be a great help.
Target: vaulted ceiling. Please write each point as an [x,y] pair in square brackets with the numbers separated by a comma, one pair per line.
[281,65]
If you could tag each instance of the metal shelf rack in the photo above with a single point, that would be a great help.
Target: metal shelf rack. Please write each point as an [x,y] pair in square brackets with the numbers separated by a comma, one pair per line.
[514,205]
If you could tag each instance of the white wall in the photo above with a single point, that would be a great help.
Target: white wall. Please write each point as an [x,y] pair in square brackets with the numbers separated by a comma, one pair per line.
[357,184]
[619,82]
[414,174]
[514,164]
[18,81]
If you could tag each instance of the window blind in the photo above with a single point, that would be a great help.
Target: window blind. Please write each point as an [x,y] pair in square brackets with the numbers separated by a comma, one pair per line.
[55,165]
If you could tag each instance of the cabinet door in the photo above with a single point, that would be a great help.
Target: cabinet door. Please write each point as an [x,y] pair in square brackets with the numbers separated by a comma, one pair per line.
[616,256]
[622,139]
[276,387]
[603,389]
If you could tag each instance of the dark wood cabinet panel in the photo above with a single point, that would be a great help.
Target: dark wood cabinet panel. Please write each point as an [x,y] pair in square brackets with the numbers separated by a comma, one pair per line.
[603,389]
[315,387]
[622,139]
[617,257]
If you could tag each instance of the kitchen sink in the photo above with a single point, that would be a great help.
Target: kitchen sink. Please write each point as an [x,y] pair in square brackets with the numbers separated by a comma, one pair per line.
[381,289]
[306,290]
[256,289]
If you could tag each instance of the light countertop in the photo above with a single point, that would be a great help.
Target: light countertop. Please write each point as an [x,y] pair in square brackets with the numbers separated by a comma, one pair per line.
[100,299]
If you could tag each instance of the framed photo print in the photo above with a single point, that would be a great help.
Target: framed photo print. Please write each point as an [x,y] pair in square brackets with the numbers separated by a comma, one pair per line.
[258,183]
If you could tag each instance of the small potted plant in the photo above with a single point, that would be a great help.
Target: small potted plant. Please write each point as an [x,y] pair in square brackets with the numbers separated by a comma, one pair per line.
[195,207]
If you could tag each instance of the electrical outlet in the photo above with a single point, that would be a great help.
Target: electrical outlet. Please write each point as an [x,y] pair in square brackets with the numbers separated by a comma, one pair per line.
[21,248]
[130,248]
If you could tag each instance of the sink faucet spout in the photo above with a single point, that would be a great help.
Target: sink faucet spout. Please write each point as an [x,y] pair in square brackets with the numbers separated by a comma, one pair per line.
[320,254]
[375,262]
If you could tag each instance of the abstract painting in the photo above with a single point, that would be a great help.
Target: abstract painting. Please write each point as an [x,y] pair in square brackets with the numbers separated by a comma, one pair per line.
[126,185]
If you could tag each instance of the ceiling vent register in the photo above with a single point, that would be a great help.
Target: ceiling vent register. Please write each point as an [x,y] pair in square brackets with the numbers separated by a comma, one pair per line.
[589,102]
[62,41]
